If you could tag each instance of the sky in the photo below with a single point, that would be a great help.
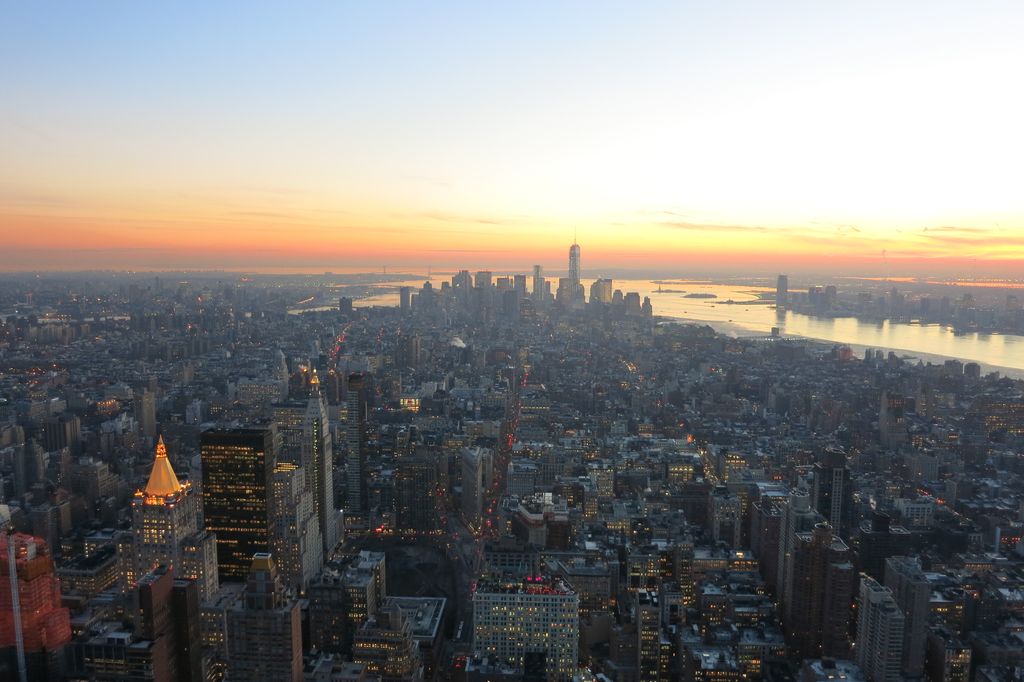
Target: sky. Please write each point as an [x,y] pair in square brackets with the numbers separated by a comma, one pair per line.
[747,136]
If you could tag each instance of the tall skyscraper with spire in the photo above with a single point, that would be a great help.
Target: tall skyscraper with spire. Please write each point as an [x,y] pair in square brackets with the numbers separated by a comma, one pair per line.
[318,463]
[576,288]
[164,514]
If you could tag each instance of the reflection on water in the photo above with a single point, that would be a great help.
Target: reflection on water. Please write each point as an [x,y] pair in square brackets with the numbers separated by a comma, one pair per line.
[748,316]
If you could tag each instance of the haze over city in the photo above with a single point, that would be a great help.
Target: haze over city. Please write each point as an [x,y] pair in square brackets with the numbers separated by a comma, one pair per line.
[512,342]
[738,136]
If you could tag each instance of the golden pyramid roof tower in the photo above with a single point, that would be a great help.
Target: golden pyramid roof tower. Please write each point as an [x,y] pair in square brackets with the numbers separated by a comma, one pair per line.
[162,481]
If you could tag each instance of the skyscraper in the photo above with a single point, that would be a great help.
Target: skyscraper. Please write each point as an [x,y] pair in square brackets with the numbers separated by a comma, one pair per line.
[237,469]
[318,464]
[576,288]
[879,633]
[782,292]
[355,440]
[912,592]
[416,498]
[296,540]
[538,283]
[892,427]
[168,616]
[797,517]
[264,633]
[817,609]
[164,515]
[833,492]
[199,563]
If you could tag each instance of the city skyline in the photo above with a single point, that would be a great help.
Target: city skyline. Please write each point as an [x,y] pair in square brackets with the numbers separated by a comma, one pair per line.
[327,137]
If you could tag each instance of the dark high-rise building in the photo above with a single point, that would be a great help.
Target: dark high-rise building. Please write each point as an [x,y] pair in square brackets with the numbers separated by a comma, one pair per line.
[483,279]
[519,284]
[877,540]
[405,300]
[782,291]
[575,287]
[892,427]
[538,283]
[948,658]
[318,463]
[833,493]
[264,634]
[237,469]
[797,517]
[765,527]
[416,501]
[168,616]
[61,431]
[912,592]
[817,611]
[355,440]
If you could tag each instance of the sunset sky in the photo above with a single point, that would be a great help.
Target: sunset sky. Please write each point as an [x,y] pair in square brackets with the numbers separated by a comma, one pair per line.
[285,136]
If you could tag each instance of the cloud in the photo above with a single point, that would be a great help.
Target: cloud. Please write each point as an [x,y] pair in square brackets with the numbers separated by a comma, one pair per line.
[712,227]
[841,228]
[13,196]
[954,228]
[456,218]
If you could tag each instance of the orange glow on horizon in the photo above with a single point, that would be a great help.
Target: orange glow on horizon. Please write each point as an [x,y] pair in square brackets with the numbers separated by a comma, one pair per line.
[294,241]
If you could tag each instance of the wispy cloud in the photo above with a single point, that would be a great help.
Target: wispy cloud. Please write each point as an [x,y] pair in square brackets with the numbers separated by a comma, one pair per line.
[954,228]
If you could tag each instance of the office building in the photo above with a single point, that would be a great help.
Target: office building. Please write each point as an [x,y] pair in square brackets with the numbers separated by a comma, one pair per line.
[264,634]
[318,465]
[538,283]
[947,657]
[892,426]
[575,286]
[355,457]
[797,517]
[782,292]
[164,515]
[536,617]
[238,467]
[832,494]
[385,645]
[417,503]
[912,592]
[168,617]
[877,540]
[879,632]
[816,610]
[145,413]
[45,623]
[199,563]
[295,536]
[647,614]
